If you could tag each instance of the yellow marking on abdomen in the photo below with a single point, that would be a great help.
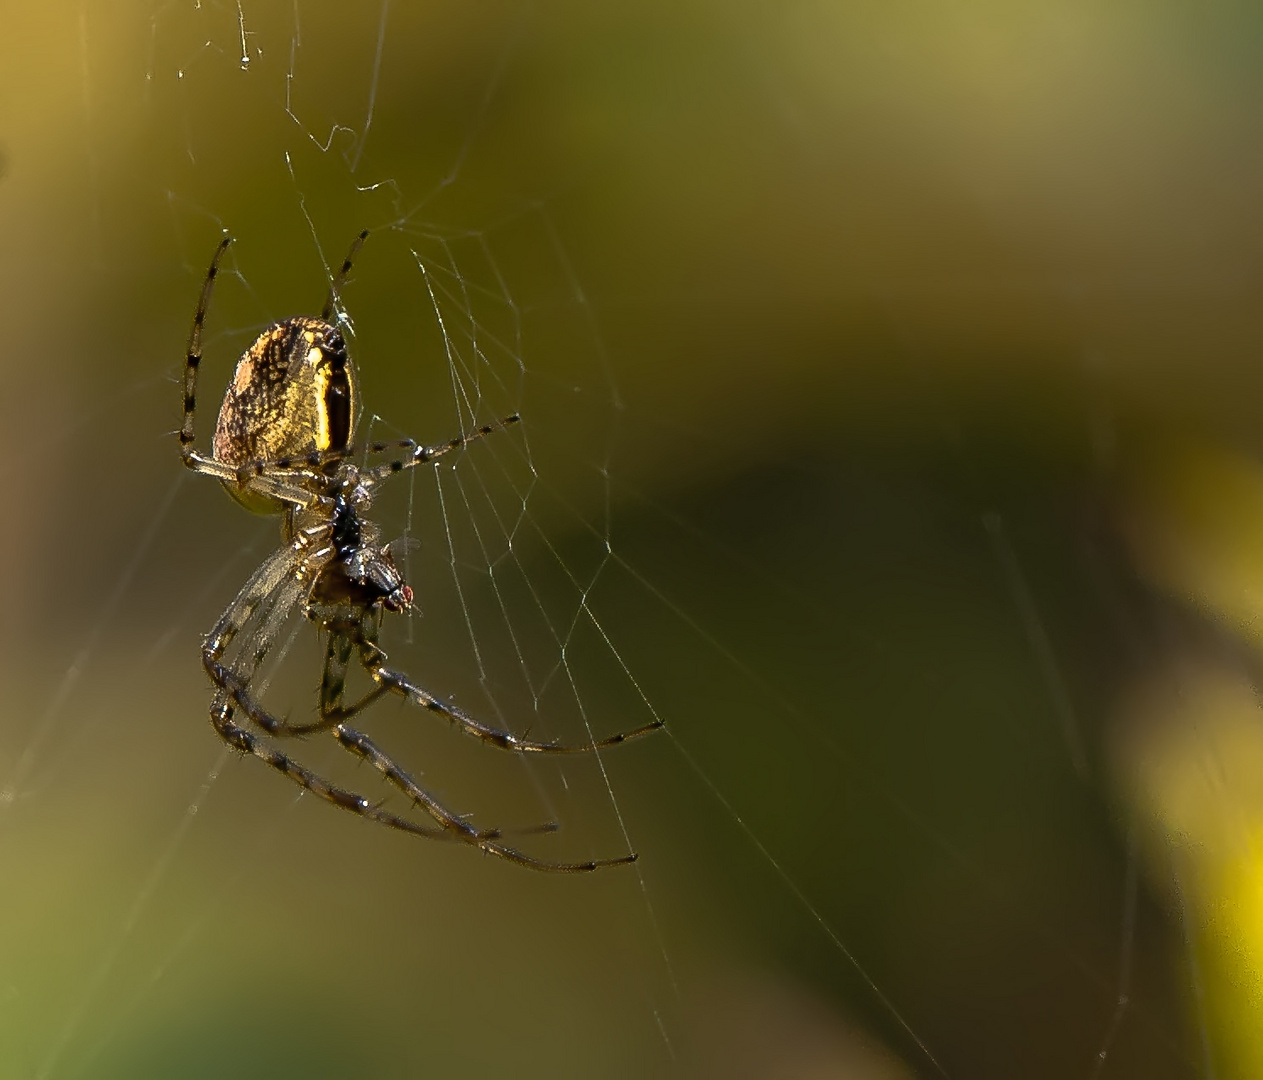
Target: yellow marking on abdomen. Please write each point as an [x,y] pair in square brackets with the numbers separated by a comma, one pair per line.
[315,358]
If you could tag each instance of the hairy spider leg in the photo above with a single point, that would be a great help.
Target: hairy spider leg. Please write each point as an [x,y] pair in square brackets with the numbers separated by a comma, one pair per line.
[193,357]
[302,464]
[272,598]
[332,686]
[270,485]
[269,597]
[262,583]
[333,713]
[362,746]
[277,478]
[236,678]
[333,683]
[248,743]
[451,825]
[266,484]
[373,660]
[335,287]
[306,464]
[281,470]
[423,455]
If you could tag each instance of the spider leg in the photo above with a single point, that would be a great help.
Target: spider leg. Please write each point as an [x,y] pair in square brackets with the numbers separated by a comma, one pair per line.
[269,597]
[333,683]
[235,679]
[422,455]
[332,686]
[193,357]
[335,287]
[272,592]
[306,463]
[248,743]
[272,485]
[362,746]
[373,660]
[280,471]
[262,584]
[235,682]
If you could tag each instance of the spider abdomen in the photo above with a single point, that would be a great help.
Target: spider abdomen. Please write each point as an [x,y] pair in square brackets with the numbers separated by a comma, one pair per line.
[294,391]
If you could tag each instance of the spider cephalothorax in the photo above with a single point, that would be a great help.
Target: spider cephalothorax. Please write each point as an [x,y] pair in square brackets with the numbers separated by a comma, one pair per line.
[283,444]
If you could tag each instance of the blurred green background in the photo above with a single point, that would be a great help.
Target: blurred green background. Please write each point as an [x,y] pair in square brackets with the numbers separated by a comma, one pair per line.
[890,384]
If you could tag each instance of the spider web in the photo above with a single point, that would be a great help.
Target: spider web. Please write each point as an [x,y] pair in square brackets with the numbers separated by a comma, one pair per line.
[822,882]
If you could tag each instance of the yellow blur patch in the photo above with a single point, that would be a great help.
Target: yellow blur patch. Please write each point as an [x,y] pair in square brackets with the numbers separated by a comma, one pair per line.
[1189,747]
[1195,526]
[1235,933]
[1189,753]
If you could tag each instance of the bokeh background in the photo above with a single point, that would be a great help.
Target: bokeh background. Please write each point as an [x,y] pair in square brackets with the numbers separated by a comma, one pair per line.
[891,393]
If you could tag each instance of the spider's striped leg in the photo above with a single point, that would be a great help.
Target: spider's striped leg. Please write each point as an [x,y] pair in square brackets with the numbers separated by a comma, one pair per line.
[305,465]
[423,455]
[273,591]
[332,686]
[248,743]
[234,693]
[362,746]
[335,286]
[275,485]
[373,659]
[273,609]
[193,357]
[337,656]
[333,683]
[236,678]
[262,584]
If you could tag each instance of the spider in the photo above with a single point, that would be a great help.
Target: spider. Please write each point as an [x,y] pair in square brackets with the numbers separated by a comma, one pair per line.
[283,445]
